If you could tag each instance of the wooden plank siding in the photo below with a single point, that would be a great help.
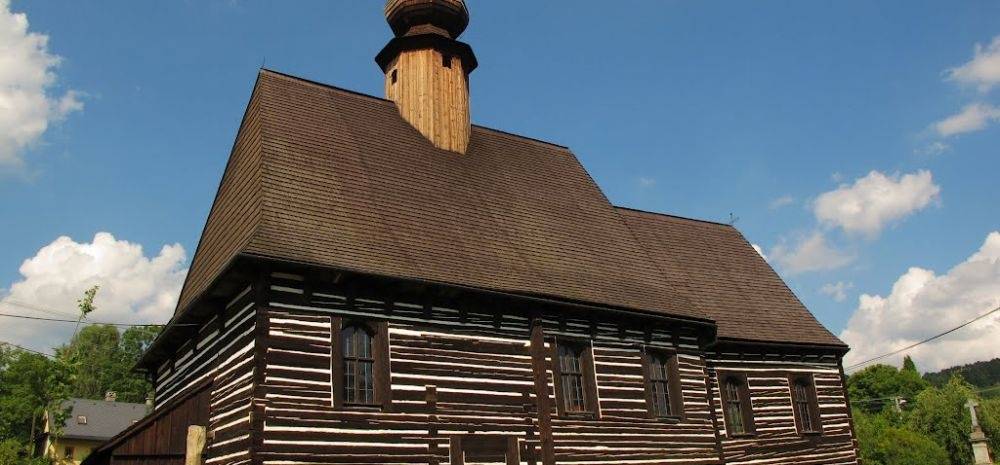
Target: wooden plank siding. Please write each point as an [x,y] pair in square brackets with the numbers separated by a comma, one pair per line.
[461,375]
[209,384]
[776,440]
[161,440]
[480,365]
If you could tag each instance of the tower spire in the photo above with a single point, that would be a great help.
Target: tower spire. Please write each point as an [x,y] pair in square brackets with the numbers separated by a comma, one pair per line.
[427,69]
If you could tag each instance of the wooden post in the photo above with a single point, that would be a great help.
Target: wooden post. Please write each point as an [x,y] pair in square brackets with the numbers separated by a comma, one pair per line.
[457,453]
[196,439]
[529,454]
[432,447]
[513,452]
[542,392]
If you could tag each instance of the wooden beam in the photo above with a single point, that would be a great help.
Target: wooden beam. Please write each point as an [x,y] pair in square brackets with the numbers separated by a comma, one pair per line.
[543,402]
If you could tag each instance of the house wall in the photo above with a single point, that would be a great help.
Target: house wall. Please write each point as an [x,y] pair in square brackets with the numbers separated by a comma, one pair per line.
[221,357]
[209,382]
[56,450]
[270,380]
[161,439]
[776,439]
[481,366]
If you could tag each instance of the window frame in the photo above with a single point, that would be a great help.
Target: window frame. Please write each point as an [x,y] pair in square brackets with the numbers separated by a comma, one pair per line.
[745,402]
[808,381]
[590,400]
[462,445]
[379,332]
[672,383]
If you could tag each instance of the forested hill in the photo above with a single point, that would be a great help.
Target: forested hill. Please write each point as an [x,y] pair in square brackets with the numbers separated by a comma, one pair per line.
[979,374]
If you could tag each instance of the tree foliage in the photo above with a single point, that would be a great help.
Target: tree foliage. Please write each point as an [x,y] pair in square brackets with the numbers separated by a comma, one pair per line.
[873,388]
[980,374]
[940,413]
[989,419]
[884,440]
[101,359]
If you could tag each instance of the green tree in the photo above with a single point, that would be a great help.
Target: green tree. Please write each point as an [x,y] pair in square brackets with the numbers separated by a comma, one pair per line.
[101,359]
[30,384]
[989,410]
[873,388]
[883,440]
[940,414]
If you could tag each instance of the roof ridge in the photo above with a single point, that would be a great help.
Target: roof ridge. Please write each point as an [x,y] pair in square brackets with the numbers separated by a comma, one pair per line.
[322,84]
[375,97]
[521,136]
[669,215]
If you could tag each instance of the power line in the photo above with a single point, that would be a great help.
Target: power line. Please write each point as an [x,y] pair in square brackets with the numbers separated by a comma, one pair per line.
[40,309]
[3,343]
[885,399]
[932,338]
[59,320]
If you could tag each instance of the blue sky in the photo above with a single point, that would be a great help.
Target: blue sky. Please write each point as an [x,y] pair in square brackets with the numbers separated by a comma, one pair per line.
[694,108]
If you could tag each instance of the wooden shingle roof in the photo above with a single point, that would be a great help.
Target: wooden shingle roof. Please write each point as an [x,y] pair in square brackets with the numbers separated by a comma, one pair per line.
[327,177]
[727,278]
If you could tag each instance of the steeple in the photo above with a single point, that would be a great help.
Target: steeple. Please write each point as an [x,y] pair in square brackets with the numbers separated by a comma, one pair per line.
[427,69]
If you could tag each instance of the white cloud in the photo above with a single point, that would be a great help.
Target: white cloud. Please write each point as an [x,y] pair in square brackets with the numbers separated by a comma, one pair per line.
[923,304]
[983,71]
[645,182]
[933,149]
[134,288]
[974,117]
[875,201]
[27,73]
[837,290]
[760,251]
[811,253]
[782,201]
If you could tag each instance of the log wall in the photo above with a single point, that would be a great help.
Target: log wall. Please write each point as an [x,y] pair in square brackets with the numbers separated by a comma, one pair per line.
[776,439]
[480,367]
[222,356]
[470,376]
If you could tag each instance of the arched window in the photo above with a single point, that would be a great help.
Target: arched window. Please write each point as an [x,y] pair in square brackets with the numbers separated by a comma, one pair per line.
[359,365]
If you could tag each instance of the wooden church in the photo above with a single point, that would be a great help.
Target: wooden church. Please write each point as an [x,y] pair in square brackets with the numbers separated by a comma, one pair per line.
[381,282]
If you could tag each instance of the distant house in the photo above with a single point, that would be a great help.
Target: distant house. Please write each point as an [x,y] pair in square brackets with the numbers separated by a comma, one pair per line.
[90,423]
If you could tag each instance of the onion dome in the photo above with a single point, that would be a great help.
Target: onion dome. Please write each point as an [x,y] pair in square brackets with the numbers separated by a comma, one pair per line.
[421,16]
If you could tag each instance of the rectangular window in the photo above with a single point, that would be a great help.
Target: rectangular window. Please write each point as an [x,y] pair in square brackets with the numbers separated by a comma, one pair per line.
[484,449]
[664,397]
[736,405]
[576,388]
[805,403]
[361,364]
[68,453]
[571,375]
